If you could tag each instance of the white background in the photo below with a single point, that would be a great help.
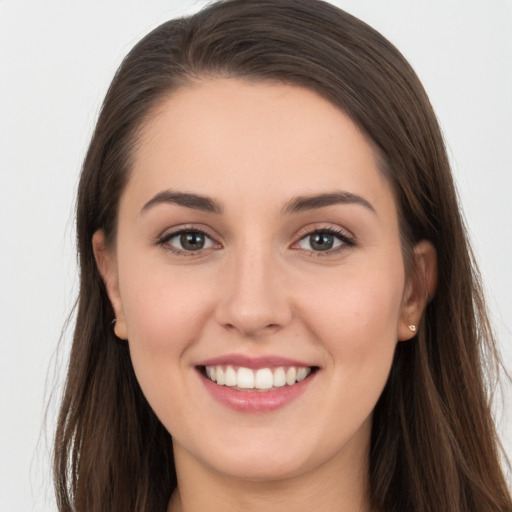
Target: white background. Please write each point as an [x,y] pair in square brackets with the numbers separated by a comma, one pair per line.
[56,60]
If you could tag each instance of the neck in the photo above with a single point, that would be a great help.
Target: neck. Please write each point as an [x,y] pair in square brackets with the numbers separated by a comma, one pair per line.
[341,483]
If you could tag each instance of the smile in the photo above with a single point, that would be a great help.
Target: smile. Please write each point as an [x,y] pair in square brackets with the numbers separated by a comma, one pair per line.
[261,379]
[256,384]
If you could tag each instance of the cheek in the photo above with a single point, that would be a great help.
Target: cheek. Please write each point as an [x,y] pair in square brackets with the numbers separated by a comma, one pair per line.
[355,321]
[159,300]
[356,316]
[164,313]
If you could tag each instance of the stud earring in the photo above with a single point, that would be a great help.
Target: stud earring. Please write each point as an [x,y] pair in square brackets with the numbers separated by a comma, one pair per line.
[412,327]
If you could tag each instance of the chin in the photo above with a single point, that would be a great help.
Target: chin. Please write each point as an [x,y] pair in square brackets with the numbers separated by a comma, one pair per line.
[262,468]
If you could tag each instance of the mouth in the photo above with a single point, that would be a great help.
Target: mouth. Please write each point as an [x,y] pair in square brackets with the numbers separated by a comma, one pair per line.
[258,379]
[256,385]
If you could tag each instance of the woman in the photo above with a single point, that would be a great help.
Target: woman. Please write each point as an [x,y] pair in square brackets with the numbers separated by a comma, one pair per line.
[278,306]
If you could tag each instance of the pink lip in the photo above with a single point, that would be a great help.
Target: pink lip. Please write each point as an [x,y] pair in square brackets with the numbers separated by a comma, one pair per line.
[256,401]
[252,362]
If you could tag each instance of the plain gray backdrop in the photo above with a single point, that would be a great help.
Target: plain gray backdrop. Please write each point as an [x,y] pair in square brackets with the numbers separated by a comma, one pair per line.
[56,61]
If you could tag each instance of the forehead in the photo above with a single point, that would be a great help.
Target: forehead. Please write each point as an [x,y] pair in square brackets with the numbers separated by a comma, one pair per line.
[229,136]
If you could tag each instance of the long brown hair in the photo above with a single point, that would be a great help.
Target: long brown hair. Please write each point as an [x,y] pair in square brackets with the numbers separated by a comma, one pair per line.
[434,445]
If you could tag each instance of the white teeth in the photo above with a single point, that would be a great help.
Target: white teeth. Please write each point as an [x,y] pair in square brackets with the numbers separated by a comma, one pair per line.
[291,376]
[263,378]
[210,371]
[245,378]
[302,373]
[279,378]
[230,377]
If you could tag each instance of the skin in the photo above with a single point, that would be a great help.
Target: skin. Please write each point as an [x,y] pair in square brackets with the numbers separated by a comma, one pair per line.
[259,288]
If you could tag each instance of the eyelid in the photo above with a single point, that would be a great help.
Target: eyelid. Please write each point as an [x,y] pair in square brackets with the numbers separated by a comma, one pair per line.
[347,239]
[171,233]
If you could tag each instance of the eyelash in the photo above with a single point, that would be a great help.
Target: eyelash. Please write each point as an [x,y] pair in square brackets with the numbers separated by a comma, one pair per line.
[346,241]
[164,241]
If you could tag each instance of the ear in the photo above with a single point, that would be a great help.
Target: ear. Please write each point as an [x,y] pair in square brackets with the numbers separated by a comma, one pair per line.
[419,289]
[107,267]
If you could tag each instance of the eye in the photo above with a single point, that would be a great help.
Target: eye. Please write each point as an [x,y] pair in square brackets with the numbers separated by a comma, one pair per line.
[187,241]
[324,240]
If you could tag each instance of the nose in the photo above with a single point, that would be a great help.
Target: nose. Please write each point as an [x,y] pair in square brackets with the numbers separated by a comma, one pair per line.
[253,295]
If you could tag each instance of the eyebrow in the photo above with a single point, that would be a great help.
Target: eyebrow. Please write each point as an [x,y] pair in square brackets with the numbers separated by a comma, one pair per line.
[303,203]
[295,205]
[194,201]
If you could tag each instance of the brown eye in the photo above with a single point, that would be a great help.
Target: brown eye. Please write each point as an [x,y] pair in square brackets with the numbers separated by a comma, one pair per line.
[321,241]
[187,241]
[192,241]
[325,241]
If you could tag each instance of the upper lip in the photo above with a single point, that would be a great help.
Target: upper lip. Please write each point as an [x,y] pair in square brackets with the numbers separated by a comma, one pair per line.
[253,362]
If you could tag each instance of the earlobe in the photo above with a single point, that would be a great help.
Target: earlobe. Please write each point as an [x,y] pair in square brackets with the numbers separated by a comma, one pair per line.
[420,289]
[107,267]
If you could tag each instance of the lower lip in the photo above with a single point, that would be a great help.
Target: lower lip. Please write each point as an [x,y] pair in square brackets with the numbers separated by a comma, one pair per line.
[256,401]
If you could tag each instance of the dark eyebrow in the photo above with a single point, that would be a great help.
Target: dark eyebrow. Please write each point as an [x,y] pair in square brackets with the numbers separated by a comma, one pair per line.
[302,203]
[195,201]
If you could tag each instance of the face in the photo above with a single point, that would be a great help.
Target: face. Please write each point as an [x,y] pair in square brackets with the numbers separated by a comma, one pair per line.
[258,278]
